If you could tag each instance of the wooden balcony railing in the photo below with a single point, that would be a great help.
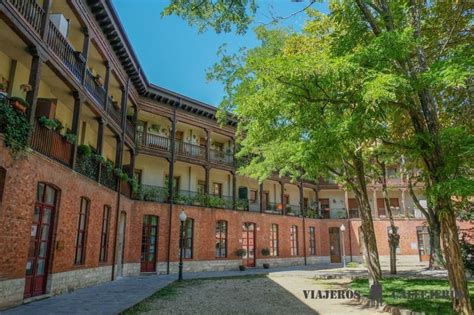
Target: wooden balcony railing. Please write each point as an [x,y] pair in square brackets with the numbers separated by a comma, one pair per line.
[114,112]
[130,129]
[152,141]
[190,150]
[31,11]
[221,157]
[52,144]
[61,47]
[94,88]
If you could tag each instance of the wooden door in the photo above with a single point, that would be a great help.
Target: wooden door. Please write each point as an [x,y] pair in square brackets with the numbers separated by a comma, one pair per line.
[248,243]
[424,248]
[37,265]
[380,206]
[266,198]
[335,245]
[353,208]
[325,208]
[149,243]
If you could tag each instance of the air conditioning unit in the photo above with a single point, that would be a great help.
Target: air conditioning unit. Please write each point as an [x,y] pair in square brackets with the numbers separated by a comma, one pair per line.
[61,23]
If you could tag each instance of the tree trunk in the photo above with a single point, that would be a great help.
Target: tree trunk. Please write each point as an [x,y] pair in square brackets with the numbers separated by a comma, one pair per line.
[452,253]
[372,255]
[436,254]
[393,237]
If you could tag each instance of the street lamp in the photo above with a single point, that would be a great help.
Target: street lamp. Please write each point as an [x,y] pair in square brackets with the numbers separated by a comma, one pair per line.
[182,218]
[343,228]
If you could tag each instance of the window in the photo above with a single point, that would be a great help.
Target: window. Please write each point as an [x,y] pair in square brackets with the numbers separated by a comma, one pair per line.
[312,241]
[175,182]
[104,236]
[188,239]
[82,232]
[218,146]
[217,189]
[221,239]
[253,196]
[201,187]
[294,240]
[274,240]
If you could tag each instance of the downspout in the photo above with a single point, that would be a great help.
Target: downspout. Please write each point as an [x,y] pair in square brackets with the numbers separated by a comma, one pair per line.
[302,210]
[118,181]
[170,185]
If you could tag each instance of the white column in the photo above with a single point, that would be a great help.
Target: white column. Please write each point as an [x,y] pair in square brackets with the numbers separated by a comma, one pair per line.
[376,211]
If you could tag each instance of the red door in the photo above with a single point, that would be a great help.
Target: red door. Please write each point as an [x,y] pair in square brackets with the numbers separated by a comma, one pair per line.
[37,265]
[248,243]
[335,244]
[149,240]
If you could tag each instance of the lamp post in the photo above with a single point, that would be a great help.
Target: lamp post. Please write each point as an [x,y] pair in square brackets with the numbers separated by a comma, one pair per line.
[182,218]
[343,228]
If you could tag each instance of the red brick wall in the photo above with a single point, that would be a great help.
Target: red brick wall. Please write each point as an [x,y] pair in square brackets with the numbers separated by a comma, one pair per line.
[16,210]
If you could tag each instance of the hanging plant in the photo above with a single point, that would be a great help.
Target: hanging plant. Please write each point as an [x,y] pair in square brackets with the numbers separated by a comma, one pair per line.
[70,137]
[14,126]
[84,150]
[48,123]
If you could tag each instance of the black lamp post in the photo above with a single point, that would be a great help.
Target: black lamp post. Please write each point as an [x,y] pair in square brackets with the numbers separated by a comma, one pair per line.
[182,218]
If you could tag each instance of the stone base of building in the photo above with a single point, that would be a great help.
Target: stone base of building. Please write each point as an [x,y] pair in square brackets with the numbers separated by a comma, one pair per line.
[69,281]
[11,292]
[200,266]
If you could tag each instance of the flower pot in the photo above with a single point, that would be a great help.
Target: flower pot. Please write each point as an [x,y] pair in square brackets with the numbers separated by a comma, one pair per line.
[18,106]
[242,268]
[266,266]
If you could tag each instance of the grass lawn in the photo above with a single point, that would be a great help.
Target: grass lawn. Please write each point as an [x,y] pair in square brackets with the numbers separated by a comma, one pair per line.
[173,289]
[398,285]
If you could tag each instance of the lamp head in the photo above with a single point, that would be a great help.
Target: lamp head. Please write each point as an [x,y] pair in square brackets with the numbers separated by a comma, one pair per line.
[342,228]
[182,216]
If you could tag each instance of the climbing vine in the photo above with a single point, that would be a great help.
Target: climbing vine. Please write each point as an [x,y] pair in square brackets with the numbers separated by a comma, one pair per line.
[15,126]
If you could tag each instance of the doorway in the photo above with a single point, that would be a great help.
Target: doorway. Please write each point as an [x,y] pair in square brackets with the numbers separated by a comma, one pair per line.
[335,244]
[38,263]
[424,248]
[248,243]
[149,243]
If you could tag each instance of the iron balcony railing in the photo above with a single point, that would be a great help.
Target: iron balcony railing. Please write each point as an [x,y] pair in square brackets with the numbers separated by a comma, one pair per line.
[61,47]
[96,90]
[190,150]
[31,11]
[221,157]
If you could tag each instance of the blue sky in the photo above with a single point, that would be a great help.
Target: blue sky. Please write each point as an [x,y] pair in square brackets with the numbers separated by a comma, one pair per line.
[175,56]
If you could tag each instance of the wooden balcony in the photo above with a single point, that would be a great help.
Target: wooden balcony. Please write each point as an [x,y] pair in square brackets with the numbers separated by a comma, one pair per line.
[31,11]
[154,143]
[52,144]
[221,157]
[97,91]
[190,150]
[113,112]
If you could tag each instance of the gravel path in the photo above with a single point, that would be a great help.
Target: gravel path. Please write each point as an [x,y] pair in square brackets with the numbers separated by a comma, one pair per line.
[276,293]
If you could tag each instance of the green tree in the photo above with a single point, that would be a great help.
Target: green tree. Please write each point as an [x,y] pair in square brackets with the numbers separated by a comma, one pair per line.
[410,58]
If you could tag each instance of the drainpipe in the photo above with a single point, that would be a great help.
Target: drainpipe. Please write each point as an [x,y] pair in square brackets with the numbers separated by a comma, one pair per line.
[118,181]
[170,185]
[350,237]
[302,210]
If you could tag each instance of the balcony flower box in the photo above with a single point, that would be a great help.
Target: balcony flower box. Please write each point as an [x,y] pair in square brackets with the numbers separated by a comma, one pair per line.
[19,104]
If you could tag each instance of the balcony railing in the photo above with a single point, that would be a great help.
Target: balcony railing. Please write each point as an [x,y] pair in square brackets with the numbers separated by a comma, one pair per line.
[31,11]
[333,213]
[130,129]
[96,90]
[190,150]
[273,207]
[151,193]
[221,157]
[113,112]
[293,210]
[152,141]
[61,47]
[52,144]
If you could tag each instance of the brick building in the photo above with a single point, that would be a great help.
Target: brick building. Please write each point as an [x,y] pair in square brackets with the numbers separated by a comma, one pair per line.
[67,221]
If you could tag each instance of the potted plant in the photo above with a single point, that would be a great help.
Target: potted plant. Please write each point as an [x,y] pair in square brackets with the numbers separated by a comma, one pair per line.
[70,137]
[19,104]
[265,253]
[51,124]
[84,150]
[241,253]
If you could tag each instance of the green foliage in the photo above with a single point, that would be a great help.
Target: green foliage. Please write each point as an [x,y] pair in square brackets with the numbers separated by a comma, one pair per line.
[70,137]
[84,150]
[399,285]
[240,252]
[49,123]
[467,249]
[221,15]
[14,126]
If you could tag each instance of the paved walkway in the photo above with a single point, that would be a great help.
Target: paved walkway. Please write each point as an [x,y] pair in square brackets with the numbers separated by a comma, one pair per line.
[116,296]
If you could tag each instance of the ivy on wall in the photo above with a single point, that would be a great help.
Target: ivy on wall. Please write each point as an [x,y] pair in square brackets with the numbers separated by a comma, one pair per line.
[15,126]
